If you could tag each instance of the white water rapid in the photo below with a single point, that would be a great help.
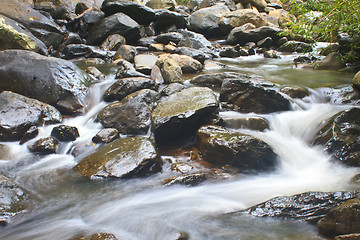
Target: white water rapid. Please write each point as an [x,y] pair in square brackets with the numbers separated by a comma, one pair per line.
[143,209]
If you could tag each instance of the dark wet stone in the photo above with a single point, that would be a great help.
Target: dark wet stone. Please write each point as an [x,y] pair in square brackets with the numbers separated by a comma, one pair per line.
[130,116]
[340,137]
[106,135]
[253,123]
[190,179]
[140,13]
[51,80]
[229,52]
[125,86]
[86,22]
[18,114]
[242,36]
[247,94]
[270,54]
[29,134]
[165,38]
[47,145]
[11,199]
[182,113]
[123,158]
[80,8]
[223,147]
[65,133]
[72,51]
[353,236]
[165,19]
[309,206]
[118,23]
[147,96]
[342,219]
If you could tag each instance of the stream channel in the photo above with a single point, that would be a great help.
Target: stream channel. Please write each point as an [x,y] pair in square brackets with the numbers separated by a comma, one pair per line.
[66,204]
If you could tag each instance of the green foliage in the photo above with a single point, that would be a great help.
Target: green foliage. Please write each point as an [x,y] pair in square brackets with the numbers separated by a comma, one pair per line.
[324,20]
[182,2]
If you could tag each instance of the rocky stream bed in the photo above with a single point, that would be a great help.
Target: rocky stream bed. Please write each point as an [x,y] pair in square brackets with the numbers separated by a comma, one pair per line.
[121,120]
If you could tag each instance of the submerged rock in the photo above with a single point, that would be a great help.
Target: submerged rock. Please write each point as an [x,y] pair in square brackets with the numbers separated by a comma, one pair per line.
[123,158]
[51,80]
[18,114]
[247,94]
[310,206]
[182,113]
[11,198]
[341,137]
[221,146]
[95,236]
[343,219]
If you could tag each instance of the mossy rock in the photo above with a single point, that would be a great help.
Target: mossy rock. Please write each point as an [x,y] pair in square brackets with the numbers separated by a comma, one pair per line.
[123,158]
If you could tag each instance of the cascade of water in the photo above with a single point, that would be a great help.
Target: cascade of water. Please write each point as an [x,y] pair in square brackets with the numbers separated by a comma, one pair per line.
[138,209]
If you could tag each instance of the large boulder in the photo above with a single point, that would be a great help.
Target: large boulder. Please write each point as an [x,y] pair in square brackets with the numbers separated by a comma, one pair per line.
[206,20]
[166,19]
[170,69]
[27,16]
[343,219]
[309,206]
[248,94]
[123,158]
[126,86]
[11,199]
[51,80]
[140,13]
[15,36]
[214,79]
[341,137]
[242,36]
[129,116]
[118,23]
[18,114]
[333,61]
[182,113]
[240,17]
[220,146]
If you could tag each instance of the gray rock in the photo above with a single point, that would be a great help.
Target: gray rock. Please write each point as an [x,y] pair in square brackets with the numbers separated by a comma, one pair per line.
[172,88]
[18,114]
[126,52]
[165,19]
[127,70]
[144,63]
[118,23]
[242,36]
[247,95]
[182,113]
[125,86]
[195,54]
[295,46]
[333,61]
[165,38]
[113,42]
[106,135]
[214,79]
[309,206]
[47,145]
[51,80]
[205,20]
[295,92]
[140,13]
[11,199]
[65,133]
[123,158]
[223,147]
[340,137]
[170,69]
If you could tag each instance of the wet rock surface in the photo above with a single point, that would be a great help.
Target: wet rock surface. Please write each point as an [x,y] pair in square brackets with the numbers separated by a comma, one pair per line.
[221,146]
[65,133]
[123,158]
[47,145]
[310,206]
[51,80]
[106,135]
[343,219]
[11,199]
[247,94]
[340,137]
[18,114]
[183,112]
[95,236]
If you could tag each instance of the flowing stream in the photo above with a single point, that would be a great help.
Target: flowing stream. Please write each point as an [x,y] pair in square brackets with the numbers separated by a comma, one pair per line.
[66,204]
